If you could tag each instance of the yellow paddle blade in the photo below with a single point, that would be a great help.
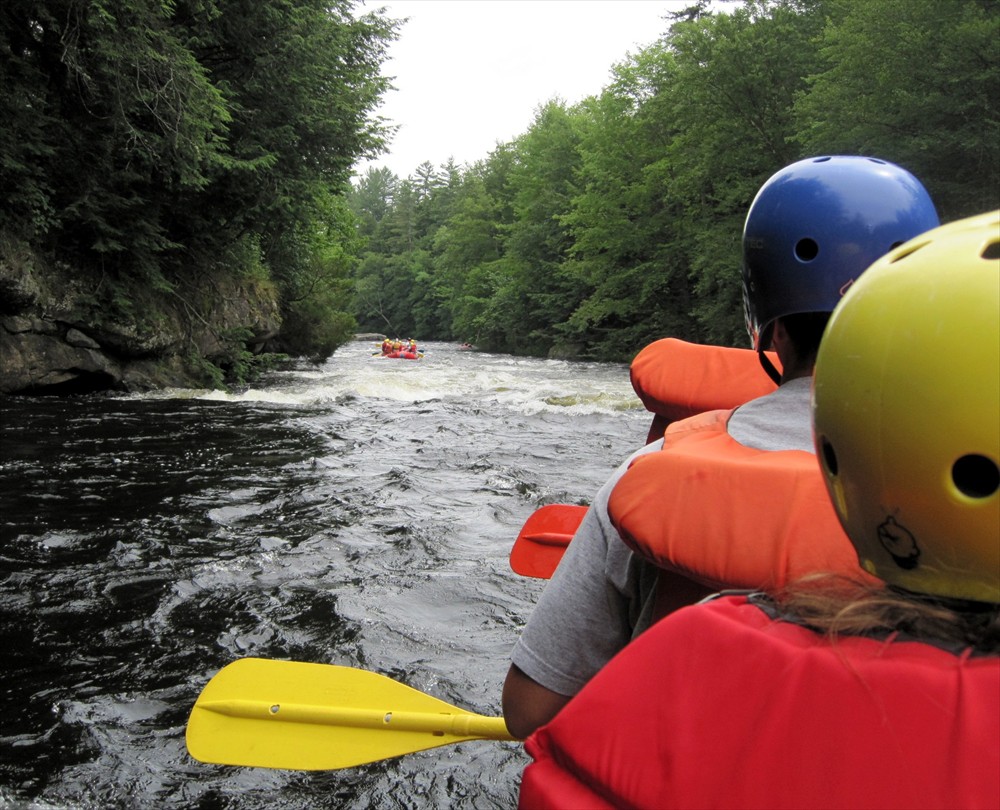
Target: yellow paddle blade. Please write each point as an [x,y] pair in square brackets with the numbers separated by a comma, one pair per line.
[298,716]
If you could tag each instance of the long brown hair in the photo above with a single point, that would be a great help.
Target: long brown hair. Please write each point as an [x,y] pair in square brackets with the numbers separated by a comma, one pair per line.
[838,605]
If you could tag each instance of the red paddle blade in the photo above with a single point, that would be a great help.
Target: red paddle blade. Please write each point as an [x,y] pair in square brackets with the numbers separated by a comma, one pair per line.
[544,538]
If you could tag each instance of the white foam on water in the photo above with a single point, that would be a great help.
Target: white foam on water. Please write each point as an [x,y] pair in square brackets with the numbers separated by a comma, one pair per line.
[521,385]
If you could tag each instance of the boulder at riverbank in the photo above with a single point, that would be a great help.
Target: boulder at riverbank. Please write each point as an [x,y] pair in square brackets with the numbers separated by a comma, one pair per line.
[67,331]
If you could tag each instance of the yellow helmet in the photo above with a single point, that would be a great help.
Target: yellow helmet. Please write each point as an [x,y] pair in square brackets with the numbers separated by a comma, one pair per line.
[906,407]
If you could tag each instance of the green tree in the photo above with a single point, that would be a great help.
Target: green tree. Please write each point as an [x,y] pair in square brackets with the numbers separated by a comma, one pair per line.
[916,82]
[92,152]
[149,144]
[617,221]
[372,198]
[676,147]
[386,274]
[536,292]
[622,230]
[732,104]
[301,80]
[465,249]
[317,293]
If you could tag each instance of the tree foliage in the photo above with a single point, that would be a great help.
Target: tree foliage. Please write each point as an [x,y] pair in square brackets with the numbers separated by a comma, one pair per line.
[153,141]
[918,80]
[617,220]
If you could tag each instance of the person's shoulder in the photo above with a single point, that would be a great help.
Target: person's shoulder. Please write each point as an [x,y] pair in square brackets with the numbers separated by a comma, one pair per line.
[781,420]
[787,395]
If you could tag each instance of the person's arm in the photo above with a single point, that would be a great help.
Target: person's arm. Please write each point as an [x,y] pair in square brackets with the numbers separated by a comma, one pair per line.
[527,704]
[585,615]
[568,637]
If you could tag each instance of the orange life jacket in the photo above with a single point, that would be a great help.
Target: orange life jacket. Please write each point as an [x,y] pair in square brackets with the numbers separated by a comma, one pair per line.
[721,706]
[729,516]
[675,379]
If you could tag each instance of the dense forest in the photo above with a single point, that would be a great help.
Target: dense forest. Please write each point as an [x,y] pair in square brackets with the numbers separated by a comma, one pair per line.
[173,178]
[176,175]
[617,220]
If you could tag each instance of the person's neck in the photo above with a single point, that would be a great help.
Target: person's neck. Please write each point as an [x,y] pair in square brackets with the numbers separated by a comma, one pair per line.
[794,367]
[795,374]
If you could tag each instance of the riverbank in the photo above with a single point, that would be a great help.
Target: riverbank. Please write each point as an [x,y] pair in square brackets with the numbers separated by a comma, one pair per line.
[66,331]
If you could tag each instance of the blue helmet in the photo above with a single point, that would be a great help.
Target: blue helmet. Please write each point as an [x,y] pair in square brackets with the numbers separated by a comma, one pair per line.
[816,225]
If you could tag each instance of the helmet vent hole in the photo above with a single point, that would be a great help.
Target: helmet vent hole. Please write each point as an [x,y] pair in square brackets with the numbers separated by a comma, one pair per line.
[829,456]
[976,476]
[806,250]
[992,251]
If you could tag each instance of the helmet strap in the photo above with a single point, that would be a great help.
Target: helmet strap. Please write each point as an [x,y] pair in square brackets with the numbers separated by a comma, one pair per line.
[768,366]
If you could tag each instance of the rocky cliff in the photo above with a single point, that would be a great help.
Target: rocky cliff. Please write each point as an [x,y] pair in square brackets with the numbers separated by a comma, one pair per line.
[65,331]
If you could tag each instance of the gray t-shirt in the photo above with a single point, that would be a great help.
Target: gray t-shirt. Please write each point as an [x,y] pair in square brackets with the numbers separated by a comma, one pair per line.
[602,594]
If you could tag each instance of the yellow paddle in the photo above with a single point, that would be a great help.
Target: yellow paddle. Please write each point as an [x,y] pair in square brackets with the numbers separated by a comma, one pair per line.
[298,716]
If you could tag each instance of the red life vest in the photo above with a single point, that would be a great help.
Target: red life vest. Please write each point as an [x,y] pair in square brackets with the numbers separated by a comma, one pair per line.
[720,706]
[727,515]
[675,379]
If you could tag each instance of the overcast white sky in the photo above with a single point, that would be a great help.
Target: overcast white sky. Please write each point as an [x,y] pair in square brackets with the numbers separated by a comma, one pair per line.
[471,73]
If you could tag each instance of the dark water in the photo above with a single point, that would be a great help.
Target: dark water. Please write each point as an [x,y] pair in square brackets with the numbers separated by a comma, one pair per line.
[357,513]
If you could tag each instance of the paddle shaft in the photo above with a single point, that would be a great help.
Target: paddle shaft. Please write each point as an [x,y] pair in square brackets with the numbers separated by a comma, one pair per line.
[550,538]
[460,725]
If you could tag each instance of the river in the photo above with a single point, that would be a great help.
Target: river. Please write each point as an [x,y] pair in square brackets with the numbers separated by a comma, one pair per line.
[359,512]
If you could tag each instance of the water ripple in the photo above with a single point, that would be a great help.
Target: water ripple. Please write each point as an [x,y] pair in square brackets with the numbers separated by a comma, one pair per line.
[357,513]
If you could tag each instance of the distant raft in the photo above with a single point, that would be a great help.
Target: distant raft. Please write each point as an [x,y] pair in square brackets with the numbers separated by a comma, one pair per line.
[403,355]
[400,349]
